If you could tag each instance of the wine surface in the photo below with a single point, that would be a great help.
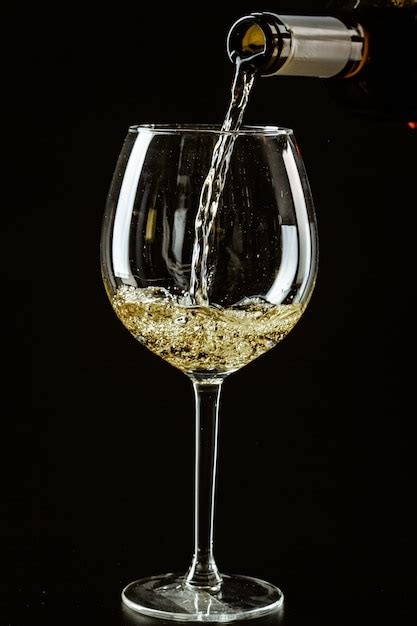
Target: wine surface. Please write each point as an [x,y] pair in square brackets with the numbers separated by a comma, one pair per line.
[203,338]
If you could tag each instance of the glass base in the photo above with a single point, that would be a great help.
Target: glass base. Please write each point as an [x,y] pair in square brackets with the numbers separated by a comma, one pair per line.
[168,597]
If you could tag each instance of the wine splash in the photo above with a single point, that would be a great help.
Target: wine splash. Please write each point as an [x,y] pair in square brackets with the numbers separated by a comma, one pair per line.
[216,178]
[203,339]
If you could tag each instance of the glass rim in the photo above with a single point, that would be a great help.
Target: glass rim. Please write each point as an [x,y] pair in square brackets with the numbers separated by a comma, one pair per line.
[215,129]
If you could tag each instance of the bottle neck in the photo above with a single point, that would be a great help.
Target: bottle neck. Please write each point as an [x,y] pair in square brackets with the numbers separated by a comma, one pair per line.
[298,45]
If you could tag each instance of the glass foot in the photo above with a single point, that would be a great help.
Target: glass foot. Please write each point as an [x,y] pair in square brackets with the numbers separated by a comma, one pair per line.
[168,597]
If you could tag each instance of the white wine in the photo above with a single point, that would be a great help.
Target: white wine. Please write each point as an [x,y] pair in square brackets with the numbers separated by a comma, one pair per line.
[203,339]
[215,181]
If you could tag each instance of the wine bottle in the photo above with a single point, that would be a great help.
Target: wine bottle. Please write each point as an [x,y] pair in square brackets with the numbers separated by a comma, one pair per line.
[367,48]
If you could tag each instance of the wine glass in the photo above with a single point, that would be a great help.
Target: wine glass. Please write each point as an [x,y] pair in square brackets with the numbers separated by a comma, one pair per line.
[259,270]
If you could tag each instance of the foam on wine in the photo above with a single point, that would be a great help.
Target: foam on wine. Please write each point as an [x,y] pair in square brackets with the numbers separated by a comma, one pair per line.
[203,338]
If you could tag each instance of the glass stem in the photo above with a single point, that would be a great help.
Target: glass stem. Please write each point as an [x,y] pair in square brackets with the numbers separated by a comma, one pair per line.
[203,573]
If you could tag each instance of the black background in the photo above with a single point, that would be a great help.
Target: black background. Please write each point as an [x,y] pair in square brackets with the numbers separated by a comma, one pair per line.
[316,483]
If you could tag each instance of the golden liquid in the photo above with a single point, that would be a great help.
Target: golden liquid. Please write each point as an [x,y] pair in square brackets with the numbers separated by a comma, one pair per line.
[215,181]
[254,39]
[203,338]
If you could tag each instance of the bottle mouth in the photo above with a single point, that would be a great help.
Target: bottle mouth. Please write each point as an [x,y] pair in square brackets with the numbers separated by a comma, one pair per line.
[256,39]
[247,40]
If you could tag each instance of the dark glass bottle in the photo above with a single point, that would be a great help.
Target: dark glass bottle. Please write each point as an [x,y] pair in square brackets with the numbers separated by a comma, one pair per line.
[368,47]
